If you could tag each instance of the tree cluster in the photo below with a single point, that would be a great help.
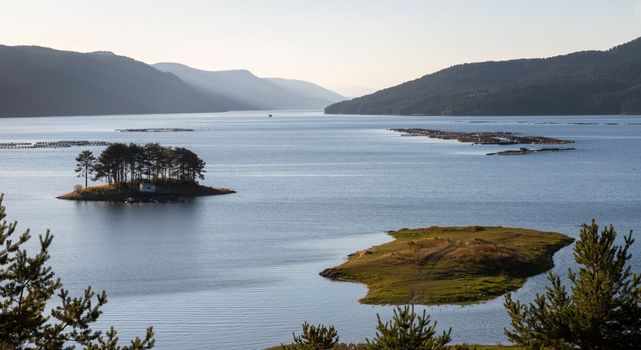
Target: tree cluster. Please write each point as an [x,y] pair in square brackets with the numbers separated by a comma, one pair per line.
[601,309]
[405,331]
[120,163]
[316,337]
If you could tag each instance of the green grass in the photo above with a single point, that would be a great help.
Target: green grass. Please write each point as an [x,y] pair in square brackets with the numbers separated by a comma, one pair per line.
[98,189]
[450,265]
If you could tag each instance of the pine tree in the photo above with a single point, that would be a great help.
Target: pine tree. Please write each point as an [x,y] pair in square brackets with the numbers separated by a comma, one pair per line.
[317,337]
[407,331]
[123,164]
[602,310]
[85,165]
[27,284]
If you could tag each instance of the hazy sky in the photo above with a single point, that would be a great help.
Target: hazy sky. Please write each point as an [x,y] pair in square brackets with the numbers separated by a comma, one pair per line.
[336,43]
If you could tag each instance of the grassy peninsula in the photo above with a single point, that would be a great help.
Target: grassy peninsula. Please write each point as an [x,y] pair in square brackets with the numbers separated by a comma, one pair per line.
[449,265]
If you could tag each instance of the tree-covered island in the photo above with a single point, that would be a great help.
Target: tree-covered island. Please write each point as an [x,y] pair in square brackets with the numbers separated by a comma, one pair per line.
[141,173]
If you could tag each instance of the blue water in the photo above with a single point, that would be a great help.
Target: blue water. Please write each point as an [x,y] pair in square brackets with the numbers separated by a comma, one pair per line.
[241,271]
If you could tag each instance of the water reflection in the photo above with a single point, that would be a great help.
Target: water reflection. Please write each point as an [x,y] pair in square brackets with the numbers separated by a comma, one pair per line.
[241,271]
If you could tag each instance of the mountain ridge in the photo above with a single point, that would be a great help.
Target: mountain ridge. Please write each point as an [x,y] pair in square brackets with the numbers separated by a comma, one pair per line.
[39,81]
[584,82]
[255,92]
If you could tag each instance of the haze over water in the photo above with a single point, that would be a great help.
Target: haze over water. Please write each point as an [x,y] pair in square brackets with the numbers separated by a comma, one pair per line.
[241,271]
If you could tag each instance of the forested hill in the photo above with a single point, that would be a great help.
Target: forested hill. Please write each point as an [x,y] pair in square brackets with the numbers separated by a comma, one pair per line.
[252,92]
[588,82]
[38,81]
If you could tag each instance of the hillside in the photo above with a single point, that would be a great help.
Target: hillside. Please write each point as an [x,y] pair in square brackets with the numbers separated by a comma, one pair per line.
[37,81]
[307,89]
[589,82]
[248,91]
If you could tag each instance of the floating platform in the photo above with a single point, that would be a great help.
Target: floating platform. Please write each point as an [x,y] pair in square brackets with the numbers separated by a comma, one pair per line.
[483,137]
[155,130]
[523,151]
[51,144]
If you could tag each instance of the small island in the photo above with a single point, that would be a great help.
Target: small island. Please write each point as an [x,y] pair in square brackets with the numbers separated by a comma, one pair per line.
[141,173]
[449,265]
[482,137]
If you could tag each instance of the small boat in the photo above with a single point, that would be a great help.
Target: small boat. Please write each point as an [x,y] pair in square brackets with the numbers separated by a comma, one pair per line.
[270,116]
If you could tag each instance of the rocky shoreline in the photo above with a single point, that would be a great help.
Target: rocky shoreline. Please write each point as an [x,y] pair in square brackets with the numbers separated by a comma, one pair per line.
[482,138]
[523,151]
[165,194]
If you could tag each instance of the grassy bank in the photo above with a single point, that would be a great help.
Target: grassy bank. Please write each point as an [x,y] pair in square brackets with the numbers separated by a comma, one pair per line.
[166,193]
[449,265]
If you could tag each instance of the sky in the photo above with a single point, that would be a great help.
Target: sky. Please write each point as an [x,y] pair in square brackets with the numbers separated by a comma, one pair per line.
[351,46]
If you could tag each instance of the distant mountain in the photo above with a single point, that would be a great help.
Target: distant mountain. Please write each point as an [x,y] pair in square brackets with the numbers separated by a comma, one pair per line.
[589,82]
[307,89]
[248,91]
[38,81]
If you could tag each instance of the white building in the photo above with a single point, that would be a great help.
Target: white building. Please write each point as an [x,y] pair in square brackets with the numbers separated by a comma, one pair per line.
[146,187]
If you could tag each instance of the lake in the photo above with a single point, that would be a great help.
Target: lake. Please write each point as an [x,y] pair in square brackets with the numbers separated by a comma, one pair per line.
[241,271]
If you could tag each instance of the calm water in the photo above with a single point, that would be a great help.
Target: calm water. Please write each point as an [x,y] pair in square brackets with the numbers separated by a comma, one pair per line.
[241,271]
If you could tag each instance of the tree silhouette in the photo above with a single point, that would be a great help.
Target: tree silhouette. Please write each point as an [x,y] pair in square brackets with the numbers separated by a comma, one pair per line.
[408,331]
[317,337]
[85,165]
[602,309]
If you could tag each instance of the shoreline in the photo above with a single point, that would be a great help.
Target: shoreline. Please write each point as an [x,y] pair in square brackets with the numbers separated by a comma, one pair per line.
[169,194]
[449,265]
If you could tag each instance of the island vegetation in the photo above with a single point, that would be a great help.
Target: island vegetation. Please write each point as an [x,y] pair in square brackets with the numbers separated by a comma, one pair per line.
[444,265]
[141,173]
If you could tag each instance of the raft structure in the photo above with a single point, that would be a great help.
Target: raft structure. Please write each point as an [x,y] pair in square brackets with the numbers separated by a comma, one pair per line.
[523,151]
[482,137]
[51,144]
[155,130]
